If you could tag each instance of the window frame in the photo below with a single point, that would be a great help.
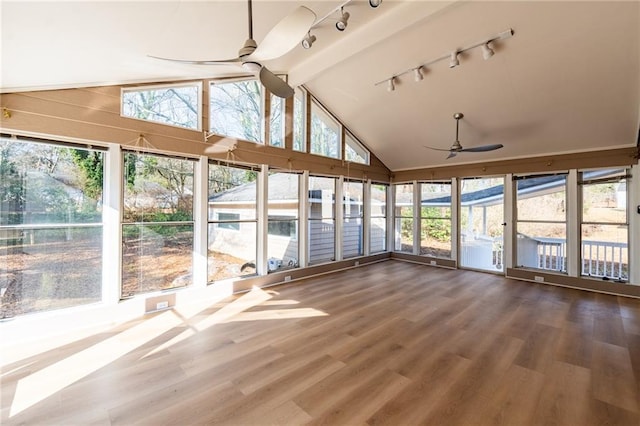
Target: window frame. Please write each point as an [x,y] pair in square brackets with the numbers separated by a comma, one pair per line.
[315,103]
[348,135]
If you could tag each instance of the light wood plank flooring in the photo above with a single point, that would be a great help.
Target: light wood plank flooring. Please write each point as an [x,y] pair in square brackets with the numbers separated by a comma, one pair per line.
[388,344]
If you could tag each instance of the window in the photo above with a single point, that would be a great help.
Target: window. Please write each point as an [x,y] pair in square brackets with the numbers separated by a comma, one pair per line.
[321,210]
[176,105]
[378,223]
[403,212]
[236,110]
[354,151]
[232,233]
[282,227]
[605,227]
[228,221]
[541,222]
[50,226]
[157,229]
[435,219]
[299,120]
[352,226]
[325,132]
[276,122]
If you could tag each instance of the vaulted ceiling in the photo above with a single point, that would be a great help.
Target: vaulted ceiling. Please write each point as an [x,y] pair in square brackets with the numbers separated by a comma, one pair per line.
[567,81]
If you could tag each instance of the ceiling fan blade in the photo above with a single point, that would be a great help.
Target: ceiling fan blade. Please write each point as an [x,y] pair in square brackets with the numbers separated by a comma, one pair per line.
[285,35]
[275,84]
[451,155]
[192,62]
[483,148]
[436,149]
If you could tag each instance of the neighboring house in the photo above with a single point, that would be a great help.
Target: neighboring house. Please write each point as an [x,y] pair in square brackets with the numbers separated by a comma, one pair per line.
[233,229]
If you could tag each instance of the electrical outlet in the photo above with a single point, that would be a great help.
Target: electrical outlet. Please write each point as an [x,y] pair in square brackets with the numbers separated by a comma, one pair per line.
[162,305]
[357,263]
[433,263]
[287,278]
[539,278]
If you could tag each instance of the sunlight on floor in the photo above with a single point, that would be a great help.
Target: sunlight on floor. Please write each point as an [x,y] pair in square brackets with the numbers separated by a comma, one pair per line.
[46,382]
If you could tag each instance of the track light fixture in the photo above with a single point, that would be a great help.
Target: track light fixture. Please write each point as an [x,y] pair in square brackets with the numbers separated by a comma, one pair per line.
[487,52]
[454,61]
[417,74]
[341,25]
[308,40]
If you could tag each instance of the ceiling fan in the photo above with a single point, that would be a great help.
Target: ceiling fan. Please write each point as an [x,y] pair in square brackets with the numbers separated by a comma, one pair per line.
[283,37]
[456,147]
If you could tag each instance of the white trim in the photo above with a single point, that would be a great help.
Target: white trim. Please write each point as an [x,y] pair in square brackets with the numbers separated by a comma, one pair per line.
[303,214]
[574,220]
[366,218]
[262,219]
[508,232]
[339,218]
[200,223]
[455,213]
[417,208]
[112,225]
[633,192]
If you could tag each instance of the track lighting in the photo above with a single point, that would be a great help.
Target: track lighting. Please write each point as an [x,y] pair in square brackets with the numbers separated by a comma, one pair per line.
[341,25]
[308,40]
[417,74]
[454,62]
[487,52]
[391,86]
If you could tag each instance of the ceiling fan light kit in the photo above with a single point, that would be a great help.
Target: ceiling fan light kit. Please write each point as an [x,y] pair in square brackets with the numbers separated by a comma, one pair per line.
[456,147]
[453,57]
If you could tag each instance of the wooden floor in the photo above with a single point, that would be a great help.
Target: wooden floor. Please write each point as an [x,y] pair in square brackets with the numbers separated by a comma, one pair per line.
[393,343]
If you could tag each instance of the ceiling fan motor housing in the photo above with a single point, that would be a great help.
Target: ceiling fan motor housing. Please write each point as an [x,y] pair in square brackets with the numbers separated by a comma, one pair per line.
[247,49]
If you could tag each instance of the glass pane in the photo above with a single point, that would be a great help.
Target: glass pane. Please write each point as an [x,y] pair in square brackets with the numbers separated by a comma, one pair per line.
[299,115]
[435,237]
[322,241]
[378,234]
[321,197]
[46,184]
[282,228]
[481,218]
[276,123]
[354,151]
[542,198]
[282,244]
[352,237]
[236,110]
[605,251]
[404,235]
[325,133]
[404,200]
[45,269]
[174,105]
[353,199]
[232,190]
[542,246]
[156,257]
[378,200]
[232,252]
[157,189]
[283,195]
[605,202]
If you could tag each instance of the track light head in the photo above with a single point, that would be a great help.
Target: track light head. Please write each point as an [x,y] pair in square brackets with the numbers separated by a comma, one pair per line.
[341,25]
[391,85]
[308,40]
[487,51]
[417,74]
[454,62]
[375,3]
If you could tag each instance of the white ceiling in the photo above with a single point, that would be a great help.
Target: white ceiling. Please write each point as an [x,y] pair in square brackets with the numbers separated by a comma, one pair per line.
[567,81]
